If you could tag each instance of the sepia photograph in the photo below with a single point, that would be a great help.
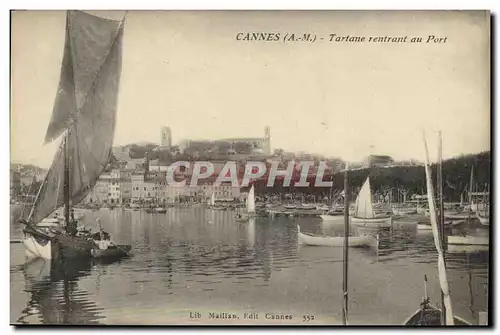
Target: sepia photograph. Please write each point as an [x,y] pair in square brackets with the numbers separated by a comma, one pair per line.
[238,168]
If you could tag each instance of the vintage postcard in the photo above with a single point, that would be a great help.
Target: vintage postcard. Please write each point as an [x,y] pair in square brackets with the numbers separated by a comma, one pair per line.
[250,168]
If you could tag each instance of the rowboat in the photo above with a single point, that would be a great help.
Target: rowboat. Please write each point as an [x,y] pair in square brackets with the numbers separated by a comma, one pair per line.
[456,215]
[364,213]
[447,224]
[469,240]
[337,241]
[112,252]
[404,211]
[290,206]
[331,216]
[159,210]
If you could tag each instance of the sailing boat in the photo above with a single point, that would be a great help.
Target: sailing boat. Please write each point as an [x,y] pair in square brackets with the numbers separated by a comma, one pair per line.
[84,114]
[429,315]
[250,210]
[364,213]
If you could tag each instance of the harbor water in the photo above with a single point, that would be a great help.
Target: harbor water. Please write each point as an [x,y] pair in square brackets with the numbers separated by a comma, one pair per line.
[199,266]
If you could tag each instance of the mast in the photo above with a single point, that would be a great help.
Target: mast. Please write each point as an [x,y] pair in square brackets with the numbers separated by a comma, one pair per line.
[346,248]
[441,216]
[66,181]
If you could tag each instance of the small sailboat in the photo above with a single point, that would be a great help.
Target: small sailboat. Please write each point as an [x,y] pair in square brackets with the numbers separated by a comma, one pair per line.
[84,114]
[250,209]
[335,241]
[364,213]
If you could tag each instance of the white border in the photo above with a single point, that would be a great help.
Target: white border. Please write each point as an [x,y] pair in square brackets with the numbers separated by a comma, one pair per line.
[186,4]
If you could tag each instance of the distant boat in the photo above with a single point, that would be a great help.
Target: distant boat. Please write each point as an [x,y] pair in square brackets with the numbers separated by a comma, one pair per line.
[404,211]
[250,208]
[335,241]
[308,206]
[484,220]
[290,206]
[449,223]
[469,240]
[160,210]
[364,213]
[456,215]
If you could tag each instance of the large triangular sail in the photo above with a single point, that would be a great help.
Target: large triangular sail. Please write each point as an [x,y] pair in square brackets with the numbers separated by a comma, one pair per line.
[364,207]
[85,108]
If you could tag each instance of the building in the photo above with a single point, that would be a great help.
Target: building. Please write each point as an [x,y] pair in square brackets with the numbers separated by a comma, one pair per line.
[257,145]
[378,160]
[122,153]
[136,164]
[166,138]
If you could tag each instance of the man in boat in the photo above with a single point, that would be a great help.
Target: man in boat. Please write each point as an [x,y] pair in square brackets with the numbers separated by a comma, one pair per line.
[102,239]
[72,226]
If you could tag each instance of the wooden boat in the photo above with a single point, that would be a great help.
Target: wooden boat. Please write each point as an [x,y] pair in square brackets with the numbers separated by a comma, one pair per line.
[337,241]
[468,240]
[404,211]
[159,210]
[363,211]
[331,216]
[112,252]
[290,206]
[84,115]
[456,215]
[447,224]
[308,206]
[464,248]
[428,315]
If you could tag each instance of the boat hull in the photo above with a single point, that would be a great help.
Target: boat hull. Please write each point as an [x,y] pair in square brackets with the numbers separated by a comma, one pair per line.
[431,316]
[37,247]
[331,217]
[111,252]
[354,241]
[380,222]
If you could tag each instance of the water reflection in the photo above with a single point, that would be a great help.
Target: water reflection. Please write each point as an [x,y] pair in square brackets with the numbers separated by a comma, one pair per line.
[192,257]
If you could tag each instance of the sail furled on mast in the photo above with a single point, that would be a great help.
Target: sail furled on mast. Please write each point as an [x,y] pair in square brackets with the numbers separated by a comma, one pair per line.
[93,47]
[443,279]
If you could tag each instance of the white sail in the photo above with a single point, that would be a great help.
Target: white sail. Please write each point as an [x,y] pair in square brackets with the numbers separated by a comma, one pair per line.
[212,199]
[364,207]
[251,201]
[443,280]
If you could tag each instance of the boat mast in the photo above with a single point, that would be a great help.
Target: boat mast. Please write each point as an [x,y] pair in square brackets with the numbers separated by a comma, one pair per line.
[346,247]
[441,216]
[66,180]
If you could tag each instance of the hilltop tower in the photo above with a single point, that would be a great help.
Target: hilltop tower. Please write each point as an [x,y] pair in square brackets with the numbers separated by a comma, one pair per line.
[267,138]
[166,137]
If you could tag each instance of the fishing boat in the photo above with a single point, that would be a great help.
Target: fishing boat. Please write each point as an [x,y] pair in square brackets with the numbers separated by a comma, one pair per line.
[335,241]
[308,206]
[250,207]
[364,213]
[84,114]
[428,315]
[290,206]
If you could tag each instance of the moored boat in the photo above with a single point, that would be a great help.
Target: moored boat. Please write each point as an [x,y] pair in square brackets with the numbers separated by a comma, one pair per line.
[484,220]
[335,241]
[364,213]
[468,240]
[84,116]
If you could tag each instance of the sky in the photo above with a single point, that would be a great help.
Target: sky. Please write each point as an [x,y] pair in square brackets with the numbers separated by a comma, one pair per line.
[186,70]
